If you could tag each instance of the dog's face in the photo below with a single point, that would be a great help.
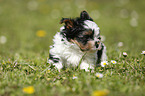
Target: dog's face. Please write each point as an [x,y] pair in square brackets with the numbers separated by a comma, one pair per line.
[82,31]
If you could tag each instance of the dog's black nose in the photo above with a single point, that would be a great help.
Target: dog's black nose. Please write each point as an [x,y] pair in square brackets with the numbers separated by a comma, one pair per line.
[97,44]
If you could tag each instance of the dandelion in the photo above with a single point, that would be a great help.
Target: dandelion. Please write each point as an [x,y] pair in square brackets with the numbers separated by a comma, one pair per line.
[74,77]
[3,39]
[104,63]
[113,62]
[41,33]
[122,2]
[120,44]
[143,52]
[134,22]
[32,5]
[134,14]
[104,92]
[99,75]
[29,90]
[124,54]
[124,13]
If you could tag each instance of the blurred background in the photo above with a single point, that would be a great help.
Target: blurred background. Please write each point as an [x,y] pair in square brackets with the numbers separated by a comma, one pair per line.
[29,25]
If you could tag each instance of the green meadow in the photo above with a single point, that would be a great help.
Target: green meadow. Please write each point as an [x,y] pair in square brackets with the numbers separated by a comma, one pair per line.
[27,28]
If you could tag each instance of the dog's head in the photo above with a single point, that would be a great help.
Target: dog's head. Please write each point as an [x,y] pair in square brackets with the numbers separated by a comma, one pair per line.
[82,31]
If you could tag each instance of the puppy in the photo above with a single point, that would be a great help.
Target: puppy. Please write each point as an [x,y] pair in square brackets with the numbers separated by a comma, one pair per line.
[78,44]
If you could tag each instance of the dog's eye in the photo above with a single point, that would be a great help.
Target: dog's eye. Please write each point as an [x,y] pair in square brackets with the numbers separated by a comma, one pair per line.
[83,38]
[86,37]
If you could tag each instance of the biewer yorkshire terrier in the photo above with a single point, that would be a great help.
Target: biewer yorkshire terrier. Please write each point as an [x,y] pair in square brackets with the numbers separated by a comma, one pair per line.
[78,44]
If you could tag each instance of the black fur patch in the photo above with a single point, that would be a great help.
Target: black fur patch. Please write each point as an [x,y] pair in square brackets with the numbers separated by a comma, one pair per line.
[99,54]
[54,59]
[73,27]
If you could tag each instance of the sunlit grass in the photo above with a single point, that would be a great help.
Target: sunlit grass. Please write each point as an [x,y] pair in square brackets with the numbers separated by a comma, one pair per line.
[124,78]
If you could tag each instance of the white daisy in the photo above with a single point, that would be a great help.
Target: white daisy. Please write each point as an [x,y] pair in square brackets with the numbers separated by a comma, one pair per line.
[113,62]
[124,54]
[143,52]
[99,75]
[74,77]
[3,39]
[104,63]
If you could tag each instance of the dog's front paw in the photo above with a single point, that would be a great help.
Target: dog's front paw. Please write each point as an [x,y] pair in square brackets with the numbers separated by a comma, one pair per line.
[58,66]
[55,61]
[86,67]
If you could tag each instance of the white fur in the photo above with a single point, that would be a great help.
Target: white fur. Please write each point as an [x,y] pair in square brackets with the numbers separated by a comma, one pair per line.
[70,55]
[92,25]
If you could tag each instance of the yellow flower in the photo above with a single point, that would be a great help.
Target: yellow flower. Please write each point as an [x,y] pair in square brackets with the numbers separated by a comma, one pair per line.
[74,77]
[104,92]
[113,61]
[48,79]
[29,90]
[99,75]
[41,33]
[143,52]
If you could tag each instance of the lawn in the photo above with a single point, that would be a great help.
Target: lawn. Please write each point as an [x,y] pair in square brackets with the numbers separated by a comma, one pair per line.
[27,28]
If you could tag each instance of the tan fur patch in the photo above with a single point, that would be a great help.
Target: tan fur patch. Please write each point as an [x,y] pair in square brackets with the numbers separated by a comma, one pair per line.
[88,32]
[86,47]
[68,22]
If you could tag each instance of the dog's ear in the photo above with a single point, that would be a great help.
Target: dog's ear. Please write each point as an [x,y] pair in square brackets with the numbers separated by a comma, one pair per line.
[68,22]
[84,15]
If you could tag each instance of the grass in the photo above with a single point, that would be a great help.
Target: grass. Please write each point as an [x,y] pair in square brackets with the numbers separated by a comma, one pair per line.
[23,57]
